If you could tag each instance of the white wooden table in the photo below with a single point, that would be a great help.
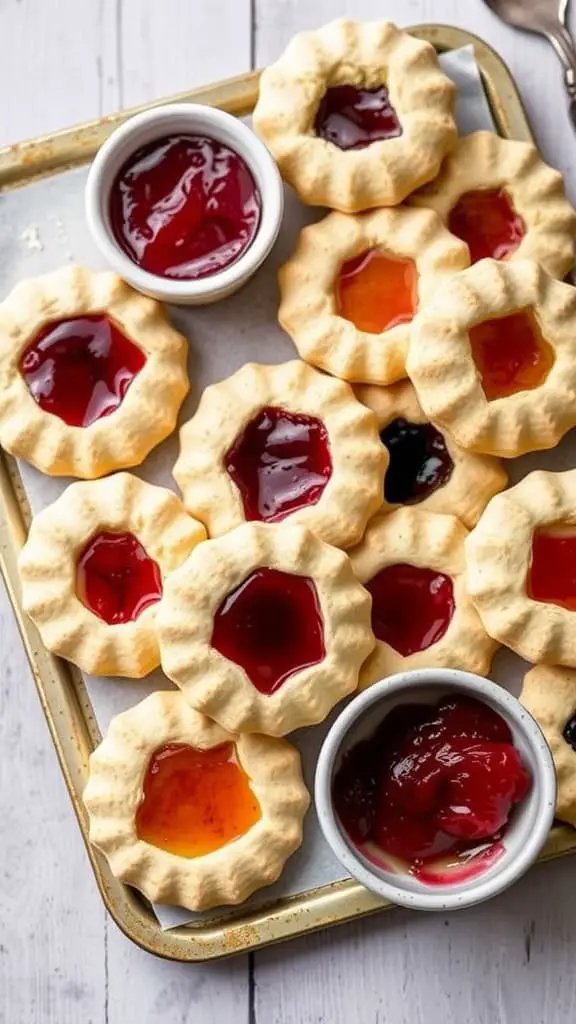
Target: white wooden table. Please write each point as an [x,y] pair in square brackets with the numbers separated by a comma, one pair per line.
[61,960]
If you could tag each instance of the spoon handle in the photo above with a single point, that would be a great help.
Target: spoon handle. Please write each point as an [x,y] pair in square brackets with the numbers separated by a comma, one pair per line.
[560,38]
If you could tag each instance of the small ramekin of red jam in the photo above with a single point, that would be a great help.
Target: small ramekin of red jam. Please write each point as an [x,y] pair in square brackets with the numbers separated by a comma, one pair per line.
[435,789]
[184,202]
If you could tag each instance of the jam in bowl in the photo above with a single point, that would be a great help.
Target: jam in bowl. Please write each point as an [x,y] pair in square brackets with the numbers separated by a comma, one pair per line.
[435,789]
[184,202]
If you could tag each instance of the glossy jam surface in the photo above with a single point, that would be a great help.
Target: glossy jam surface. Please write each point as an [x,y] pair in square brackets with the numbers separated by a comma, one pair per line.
[80,369]
[353,118]
[116,579]
[195,801]
[184,207]
[376,292]
[569,732]
[419,461]
[279,463]
[432,789]
[271,625]
[510,354]
[552,572]
[488,223]
[411,607]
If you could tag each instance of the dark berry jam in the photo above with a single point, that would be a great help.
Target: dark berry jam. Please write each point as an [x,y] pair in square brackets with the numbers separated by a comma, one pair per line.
[419,461]
[552,572]
[569,732]
[377,292]
[432,789]
[80,369]
[411,607]
[195,801]
[116,579]
[352,118]
[511,354]
[271,625]
[279,463]
[488,223]
[184,207]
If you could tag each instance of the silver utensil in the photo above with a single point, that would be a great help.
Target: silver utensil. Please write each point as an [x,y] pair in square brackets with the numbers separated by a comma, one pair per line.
[547,18]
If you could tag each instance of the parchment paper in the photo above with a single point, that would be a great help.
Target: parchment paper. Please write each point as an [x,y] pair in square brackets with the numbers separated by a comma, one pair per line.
[41,227]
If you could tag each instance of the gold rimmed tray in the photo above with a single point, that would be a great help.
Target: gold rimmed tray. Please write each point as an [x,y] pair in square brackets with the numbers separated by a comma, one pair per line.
[62,690]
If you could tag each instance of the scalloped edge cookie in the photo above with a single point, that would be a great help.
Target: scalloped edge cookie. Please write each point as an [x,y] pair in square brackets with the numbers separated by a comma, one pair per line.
[549,695]
[498,553]
[47,566]
[149,409]
[227,875]
[446,379]
[484,160]
[351,495]
[219,687]
[429,541]
[308,309]
[368,55]
[474,478]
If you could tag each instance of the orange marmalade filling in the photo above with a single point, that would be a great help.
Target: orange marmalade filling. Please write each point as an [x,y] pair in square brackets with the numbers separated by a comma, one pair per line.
[195,801]
[488,223]
[552,572]
[511,354]
[376,292]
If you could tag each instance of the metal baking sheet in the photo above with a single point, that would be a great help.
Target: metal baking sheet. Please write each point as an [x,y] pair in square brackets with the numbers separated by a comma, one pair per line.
[42,226]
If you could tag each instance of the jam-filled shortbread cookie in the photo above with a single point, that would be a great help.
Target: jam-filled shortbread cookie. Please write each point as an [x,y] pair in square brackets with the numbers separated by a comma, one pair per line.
[412,564]
[265,628]
[521,567]
[93,571]
[282,442]
[493,357]
[92,375]
[350,290]
[357,114]
[549,694]
[188,813]
[427,468]
[504,202]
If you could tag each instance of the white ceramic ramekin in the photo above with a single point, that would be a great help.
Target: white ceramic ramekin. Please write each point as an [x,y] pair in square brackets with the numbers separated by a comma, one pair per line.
[192,119]
[530,823]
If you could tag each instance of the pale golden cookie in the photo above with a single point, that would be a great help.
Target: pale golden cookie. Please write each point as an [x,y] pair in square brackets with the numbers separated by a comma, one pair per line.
[493,358]
[532,218]
[78,567]
[412,562]
[49,327]
[295,112]
[357,327]
[282,443]
[265,628]
[262,774]
[549,694]
[426,466]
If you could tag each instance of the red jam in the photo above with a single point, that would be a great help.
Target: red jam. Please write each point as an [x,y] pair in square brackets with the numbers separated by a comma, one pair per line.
[279,463]
[376,292]
[184,207]
[271,625]
[116,579]
[411,607]
[552,572]
[195,801]
[488,223]
[352,118]
[80,369]
[419,461]
[510,354]
[432,789]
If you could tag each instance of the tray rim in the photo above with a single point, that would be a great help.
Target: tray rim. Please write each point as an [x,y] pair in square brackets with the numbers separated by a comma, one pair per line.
[60,687]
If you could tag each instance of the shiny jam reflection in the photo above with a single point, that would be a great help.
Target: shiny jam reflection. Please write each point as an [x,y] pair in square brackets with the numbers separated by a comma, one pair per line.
[377,292]
[411,607]
[115,577]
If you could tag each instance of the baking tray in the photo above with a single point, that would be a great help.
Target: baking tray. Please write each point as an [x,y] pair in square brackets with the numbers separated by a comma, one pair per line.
[61,688]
